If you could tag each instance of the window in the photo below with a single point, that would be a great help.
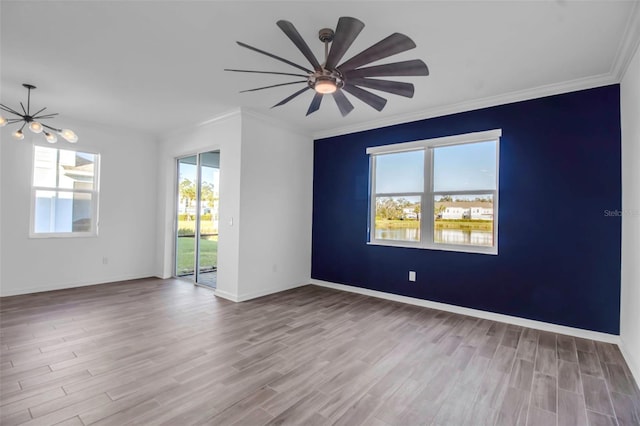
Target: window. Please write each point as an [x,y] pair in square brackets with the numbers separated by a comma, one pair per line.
[453,180]
[64,193]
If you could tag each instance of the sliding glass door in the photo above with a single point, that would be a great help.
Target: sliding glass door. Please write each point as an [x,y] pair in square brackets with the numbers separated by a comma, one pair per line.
[197,218]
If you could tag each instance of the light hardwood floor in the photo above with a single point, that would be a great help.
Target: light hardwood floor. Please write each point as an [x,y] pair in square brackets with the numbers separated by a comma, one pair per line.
[165,352]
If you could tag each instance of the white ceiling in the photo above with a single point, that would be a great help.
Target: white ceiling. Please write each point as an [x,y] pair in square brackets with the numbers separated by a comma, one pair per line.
[158,66]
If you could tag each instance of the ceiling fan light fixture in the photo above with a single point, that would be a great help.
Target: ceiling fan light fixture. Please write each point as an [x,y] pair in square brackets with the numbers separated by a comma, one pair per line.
[325,85]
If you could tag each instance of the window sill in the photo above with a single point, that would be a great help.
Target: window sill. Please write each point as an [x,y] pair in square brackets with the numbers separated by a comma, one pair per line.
[63,235]
[440,247]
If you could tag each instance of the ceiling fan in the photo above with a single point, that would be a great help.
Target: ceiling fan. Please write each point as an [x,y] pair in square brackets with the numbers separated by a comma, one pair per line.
[349,76]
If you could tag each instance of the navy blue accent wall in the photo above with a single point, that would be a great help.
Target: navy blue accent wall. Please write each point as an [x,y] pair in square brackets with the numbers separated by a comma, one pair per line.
[559,252]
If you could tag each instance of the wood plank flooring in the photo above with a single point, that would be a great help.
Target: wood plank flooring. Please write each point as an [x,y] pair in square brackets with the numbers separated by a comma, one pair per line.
[154,352]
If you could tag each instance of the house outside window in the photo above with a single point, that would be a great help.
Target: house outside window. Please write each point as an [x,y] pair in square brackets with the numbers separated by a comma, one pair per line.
[437,193]
[64,194]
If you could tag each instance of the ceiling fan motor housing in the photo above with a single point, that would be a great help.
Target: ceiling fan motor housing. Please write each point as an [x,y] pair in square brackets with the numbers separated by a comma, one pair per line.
[326,35]
[325,75]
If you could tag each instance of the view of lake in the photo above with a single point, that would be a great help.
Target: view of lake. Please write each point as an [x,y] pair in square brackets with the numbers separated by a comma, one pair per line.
[448,236]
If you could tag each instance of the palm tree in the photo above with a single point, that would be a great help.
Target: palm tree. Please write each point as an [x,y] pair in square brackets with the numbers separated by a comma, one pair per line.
[206,194]
[187,190]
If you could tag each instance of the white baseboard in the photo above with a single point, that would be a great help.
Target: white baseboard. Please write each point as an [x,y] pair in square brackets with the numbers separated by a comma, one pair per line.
[43,288]
[254,295]
[226,295]
[631,361]
[523,322]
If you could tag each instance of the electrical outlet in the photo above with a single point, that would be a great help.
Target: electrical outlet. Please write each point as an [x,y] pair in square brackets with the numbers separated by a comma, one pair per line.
[105,260]
[412,276]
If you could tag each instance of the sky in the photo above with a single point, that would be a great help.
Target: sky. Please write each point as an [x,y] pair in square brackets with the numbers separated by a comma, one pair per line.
[456,168]
[189,171]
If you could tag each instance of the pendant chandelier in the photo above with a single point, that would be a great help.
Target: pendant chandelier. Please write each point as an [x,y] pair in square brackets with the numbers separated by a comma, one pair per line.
[33,121]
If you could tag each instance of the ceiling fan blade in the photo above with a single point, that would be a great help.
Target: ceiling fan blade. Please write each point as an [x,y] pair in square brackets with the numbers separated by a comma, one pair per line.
[267,72]
[293,34]
[414,67]
[343,103]
[287,99]
[365,96]
[346,32]
[271,55]
[396,87]
[315,103]
[273,85]
[395,43]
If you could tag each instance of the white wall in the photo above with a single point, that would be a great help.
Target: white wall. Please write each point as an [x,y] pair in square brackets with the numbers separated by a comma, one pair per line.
[630,300]
[221,134]
[266,174]
[275,208]
[127,215]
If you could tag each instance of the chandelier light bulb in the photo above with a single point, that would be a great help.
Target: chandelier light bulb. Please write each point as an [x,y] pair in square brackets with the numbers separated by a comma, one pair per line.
[3,121]
[35,127]
[51,138]
[18,135]
[69,136]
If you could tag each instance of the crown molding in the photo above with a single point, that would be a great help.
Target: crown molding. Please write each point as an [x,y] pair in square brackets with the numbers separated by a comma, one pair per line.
[275,122]
[189,127]
[240,112]
[629,45]
[219,117]
[507,98]
[624,55]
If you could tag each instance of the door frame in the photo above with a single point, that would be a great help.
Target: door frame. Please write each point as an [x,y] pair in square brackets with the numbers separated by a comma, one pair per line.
[198,206]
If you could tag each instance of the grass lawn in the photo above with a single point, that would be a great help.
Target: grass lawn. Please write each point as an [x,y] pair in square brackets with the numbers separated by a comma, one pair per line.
[396,224]
[468,225]
[186,256]
[188,227]
[475,225]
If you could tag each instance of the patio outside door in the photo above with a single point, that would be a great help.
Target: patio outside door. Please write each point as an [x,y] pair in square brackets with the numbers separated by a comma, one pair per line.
[197,218]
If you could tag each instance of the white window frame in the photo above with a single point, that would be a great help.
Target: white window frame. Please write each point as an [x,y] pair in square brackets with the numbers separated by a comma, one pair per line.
[94,197]
[428,194]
